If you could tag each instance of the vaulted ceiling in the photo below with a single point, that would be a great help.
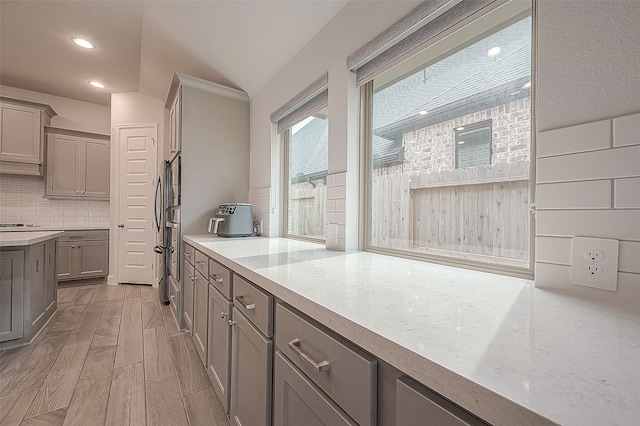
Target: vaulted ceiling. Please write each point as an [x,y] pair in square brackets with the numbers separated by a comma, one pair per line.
[140,44]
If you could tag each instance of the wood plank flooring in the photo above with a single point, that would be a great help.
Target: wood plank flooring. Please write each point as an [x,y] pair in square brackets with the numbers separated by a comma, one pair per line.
[111,355]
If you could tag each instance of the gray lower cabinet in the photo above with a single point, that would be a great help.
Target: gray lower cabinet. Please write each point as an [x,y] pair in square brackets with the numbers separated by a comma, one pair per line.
[251,368]
[28,289]
[298,401]
[418,406]
[346,374]
[50,282]
[219,345]
[11,294]
[188,285]
[83,254]
[200,315]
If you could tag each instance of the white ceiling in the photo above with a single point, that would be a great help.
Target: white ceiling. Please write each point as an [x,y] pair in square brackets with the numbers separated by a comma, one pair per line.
[140,44]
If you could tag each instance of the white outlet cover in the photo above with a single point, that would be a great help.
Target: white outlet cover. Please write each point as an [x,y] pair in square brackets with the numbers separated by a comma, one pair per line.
[580,275]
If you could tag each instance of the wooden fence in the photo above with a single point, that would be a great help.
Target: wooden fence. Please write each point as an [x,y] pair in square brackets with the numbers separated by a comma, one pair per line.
[306,211]
[479,210]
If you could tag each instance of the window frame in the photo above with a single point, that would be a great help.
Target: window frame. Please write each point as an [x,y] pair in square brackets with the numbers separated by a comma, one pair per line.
[469,127]
[465,261]
[285,138]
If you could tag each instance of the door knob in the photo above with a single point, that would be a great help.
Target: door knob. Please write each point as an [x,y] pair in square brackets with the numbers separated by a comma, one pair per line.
[121,225]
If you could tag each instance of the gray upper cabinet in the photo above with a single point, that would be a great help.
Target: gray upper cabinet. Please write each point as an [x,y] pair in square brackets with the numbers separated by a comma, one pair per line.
[77,165]
[21,136]
[11,294]
[174,125]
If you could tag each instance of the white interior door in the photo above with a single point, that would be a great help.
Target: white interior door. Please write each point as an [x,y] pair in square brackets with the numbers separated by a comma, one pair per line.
[137,176]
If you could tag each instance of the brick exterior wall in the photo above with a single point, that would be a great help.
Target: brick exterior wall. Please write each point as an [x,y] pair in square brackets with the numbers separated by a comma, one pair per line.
[432,149]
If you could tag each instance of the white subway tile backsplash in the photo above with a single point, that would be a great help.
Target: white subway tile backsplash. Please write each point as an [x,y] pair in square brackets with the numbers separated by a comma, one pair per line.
[626,130]
[553,250]
[629,257]
[336,192]
[331,180]
[594,194]
[335,217]
[556,277]
[627,193]
[341,205]
[615,224]
[25,203]
[330,205]
[607,164]
[580,138]
[341,179]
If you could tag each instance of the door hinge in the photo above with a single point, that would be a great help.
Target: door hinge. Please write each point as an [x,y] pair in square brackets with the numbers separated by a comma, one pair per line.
[533,209]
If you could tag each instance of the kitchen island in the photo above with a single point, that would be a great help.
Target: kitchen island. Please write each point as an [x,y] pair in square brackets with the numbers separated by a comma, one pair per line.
[497,346]
[28,284]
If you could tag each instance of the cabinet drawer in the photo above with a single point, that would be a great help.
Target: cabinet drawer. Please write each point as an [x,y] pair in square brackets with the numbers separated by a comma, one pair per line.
[84,235]
[255,304]
[220,277]
[345,373]
[415,403]
[201,262]
[189,253]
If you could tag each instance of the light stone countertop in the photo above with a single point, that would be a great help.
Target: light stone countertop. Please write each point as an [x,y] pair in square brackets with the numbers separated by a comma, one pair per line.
[505,350]
[14,239]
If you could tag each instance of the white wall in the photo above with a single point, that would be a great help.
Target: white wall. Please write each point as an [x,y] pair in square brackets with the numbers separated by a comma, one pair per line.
[588,70]
[588,167]
[72,114]
[326,52]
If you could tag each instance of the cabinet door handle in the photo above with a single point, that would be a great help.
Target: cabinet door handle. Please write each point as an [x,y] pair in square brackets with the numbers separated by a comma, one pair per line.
[77,192]
[82,192]
[121,225]
[247,306]
[223,315]
[215,278]
[73,246]
[318,366]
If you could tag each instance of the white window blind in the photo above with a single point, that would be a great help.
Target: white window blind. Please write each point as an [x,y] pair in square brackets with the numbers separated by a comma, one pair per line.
[410,34]
[310,100]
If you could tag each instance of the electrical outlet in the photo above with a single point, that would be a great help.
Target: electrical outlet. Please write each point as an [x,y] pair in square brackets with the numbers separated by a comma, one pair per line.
[257,226]
[593,255]
[594,263]
[594,270]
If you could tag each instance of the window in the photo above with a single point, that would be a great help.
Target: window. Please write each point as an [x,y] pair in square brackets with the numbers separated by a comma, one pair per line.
[473,145]
[306,177]
[448,148]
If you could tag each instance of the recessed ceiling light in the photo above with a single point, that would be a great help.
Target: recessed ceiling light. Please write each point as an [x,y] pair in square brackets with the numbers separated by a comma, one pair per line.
[494,51]
[460,128]
[83,43]
[526,85]
[97,84]
[423,112]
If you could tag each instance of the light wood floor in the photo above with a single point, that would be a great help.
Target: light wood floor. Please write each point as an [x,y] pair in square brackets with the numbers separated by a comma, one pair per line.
[111,355]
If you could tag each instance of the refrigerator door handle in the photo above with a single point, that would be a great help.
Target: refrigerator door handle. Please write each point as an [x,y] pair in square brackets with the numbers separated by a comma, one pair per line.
[155,204]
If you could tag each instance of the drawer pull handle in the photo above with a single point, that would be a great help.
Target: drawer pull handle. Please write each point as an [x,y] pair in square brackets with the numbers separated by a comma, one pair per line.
[73,237]
[215,278]
[247,306]
[318,366]
[223,315]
